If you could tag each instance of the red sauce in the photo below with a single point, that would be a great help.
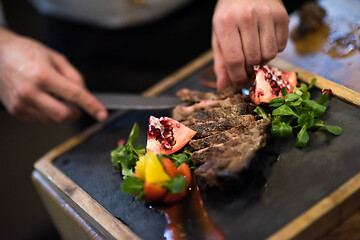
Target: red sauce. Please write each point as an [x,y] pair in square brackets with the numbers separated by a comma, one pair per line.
[187,214]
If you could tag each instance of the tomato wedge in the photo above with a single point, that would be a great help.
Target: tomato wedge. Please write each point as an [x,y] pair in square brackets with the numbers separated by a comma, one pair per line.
[169,167]
[184,170]
[153,192]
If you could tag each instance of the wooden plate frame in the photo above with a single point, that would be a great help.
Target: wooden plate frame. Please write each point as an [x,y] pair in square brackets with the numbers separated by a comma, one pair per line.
[311,224]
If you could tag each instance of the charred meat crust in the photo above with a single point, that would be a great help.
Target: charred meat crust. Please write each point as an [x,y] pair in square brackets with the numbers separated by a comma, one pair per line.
[253,128]
[187,95]
[217,169]
[183,112]
[205,129]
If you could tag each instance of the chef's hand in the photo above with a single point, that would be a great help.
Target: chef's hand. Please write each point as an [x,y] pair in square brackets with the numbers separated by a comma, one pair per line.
[39,85]
[245,33]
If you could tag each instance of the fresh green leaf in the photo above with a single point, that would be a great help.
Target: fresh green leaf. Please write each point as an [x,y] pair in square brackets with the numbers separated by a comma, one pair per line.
[132,185]
[306,120]
[176,185]
[312,84]
[302,138]
[283,110]
[297,91]
[296,103]
[315,107]
[178,159]
[304,88]
[284,91]
[324,99]
[124,157]
[281,130]
[292,97]
[276,102]
[318,123]
[134,134]
[261,112]
[336,130]
[305,96]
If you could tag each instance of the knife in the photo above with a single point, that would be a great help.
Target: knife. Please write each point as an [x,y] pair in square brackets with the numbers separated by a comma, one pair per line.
[125,101]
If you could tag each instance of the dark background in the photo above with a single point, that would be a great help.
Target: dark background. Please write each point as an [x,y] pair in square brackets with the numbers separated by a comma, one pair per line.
[22,214]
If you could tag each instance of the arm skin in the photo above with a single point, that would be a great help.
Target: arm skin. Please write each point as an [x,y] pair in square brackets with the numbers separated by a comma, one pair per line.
[245,33]
[39,85]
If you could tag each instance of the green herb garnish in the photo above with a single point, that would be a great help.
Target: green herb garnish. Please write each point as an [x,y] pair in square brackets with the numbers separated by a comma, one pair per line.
[176,185]
[297,110]
[124,157]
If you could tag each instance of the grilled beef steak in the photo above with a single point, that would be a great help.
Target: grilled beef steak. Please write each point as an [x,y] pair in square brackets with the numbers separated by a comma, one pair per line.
[188,95]
[245,128]
[228,136]
[205,129]
[182,112]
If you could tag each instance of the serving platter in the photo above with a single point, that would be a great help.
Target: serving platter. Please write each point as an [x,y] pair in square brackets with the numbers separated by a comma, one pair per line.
[294,193]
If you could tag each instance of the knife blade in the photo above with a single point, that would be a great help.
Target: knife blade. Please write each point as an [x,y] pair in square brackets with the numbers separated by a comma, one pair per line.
[125,101]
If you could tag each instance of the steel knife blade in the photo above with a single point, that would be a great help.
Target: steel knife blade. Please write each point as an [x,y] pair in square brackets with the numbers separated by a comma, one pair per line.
[125,101]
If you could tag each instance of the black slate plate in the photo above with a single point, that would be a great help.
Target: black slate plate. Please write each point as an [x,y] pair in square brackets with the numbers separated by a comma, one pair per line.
[287,182]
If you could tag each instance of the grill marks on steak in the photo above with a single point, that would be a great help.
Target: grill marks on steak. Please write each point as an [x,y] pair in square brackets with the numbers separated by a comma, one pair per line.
[227,148]
[254,128]
[182,112]
[205,129]
[188,95]
[216,114]
[228,136]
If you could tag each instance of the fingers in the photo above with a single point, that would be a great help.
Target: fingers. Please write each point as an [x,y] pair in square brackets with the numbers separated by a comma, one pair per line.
[223,80]
[55,109]
[268,41]
[281,29]
[75,94]
[230,46]
[63,66]
[248,26]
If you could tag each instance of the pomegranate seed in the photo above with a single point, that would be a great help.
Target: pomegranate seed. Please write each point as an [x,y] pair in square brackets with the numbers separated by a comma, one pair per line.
[328,91]
[168,134]
[172,143]
[273,83]
[170,139]
[120,142]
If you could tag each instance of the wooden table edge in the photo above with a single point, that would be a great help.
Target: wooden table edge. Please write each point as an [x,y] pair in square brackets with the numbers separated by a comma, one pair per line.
[311,224]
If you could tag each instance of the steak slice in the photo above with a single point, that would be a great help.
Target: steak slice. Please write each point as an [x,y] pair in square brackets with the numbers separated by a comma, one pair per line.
[220,169]
[182,112]
[229,148]
[218,113]
[215,127]
[188,95]
[255,128]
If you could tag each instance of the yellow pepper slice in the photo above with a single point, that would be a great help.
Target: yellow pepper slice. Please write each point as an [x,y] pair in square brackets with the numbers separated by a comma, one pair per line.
[154,171]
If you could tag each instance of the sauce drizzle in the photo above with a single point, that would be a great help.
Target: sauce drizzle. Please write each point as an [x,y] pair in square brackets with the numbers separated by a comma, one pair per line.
[188,218]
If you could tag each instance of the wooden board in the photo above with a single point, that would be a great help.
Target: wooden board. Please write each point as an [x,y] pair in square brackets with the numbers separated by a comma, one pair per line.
[323,213]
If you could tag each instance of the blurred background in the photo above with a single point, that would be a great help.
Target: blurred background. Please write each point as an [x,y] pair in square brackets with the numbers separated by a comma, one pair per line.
[22,214]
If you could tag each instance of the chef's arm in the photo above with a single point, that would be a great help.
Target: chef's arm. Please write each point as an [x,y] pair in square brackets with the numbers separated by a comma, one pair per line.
[245,33]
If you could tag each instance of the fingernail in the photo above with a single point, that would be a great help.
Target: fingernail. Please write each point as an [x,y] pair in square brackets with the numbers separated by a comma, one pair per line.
[101,116]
